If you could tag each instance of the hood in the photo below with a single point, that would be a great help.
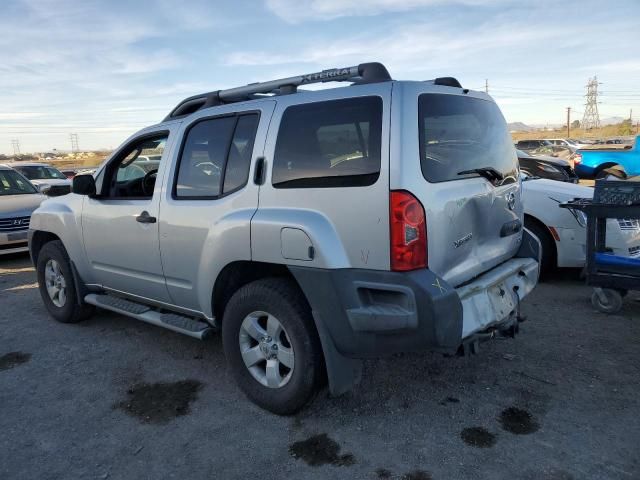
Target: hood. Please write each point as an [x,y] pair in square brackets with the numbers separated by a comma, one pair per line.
[19,205]
[553,160]
[561,191]
[51,181]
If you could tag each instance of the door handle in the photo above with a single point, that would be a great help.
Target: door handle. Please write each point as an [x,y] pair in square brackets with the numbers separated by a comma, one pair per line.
[258,173]
[144,217]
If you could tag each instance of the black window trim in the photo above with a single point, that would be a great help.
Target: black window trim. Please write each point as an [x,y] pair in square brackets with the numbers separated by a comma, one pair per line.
[176,172]
[279,185]
[117,159]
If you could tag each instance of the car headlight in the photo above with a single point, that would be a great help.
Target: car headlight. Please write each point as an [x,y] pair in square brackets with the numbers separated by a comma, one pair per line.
[548,168]
[580,217]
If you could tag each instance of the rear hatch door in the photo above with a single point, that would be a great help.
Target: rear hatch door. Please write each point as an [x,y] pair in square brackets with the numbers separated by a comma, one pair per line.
[466,176]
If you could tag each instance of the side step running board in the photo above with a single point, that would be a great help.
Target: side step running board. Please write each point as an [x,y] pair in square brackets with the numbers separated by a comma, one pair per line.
[172,321]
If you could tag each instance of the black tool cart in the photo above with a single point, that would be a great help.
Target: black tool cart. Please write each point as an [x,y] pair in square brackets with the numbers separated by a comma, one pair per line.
[612,276]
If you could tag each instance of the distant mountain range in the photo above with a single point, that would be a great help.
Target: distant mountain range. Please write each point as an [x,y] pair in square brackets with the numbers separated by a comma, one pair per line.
[523,127]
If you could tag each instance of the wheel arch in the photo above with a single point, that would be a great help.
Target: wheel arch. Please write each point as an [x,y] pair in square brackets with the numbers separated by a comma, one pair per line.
[602,166]
[239,273]
[38,240]
[342,373]
[545,228]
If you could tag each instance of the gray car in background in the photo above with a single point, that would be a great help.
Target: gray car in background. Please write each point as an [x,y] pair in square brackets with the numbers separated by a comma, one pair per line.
[44,177]
[18,199]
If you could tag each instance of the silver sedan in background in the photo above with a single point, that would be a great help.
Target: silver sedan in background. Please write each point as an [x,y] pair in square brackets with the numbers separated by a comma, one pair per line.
[18,199]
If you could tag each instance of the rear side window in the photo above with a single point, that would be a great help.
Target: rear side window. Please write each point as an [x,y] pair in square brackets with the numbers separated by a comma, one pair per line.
[216,157]
[461,133]
[329,144]
[237,170]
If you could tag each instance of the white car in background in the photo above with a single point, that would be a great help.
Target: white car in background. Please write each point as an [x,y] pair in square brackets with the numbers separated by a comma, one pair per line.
[44,177]
[562,232]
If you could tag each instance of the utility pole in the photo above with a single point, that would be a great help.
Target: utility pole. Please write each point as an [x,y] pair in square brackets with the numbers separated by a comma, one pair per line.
[568,122]
[591,117]
[486,85]
[74,142]
[15,143]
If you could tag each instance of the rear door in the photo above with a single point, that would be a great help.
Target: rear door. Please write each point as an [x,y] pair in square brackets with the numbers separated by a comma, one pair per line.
[209,200]
[325,199]
[473,218]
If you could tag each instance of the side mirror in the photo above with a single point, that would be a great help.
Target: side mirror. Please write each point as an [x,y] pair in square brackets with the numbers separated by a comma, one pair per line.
[43,188]
[84,185]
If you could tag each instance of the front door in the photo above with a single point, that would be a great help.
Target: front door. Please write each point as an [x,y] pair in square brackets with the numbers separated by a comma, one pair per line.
[120,225]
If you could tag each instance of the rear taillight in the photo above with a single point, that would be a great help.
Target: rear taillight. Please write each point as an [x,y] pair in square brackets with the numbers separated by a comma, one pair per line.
[408,232]
[577,158]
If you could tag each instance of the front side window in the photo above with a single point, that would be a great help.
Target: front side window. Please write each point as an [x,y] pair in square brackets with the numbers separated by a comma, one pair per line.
[459,134]
[216,157]
[132,174]
[12,183]
[329,144]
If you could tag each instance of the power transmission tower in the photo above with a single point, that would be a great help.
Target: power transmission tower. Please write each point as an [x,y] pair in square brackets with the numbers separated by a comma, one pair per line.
[486,85]
[15,143]
[591,117]
[74,142]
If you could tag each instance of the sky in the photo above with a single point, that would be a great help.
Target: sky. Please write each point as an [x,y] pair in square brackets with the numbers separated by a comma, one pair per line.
[103,69]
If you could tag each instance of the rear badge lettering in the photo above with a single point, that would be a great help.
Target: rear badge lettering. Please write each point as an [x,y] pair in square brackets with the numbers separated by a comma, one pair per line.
[458,243]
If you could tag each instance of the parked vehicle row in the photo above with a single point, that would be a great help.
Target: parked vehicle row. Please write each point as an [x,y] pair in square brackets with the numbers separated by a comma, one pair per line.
[312,229]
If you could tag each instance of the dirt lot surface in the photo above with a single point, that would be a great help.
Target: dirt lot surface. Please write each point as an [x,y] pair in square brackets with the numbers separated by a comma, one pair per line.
[115,398]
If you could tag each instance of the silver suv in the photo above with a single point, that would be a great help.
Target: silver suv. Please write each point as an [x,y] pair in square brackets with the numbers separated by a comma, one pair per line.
[312,228]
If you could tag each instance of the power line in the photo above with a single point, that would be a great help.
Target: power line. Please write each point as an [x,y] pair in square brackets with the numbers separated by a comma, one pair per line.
[591,118]
[15,143]
[74,142]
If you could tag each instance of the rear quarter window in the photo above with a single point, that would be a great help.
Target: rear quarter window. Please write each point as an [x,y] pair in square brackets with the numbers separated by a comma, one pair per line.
[459,133]
[329,144]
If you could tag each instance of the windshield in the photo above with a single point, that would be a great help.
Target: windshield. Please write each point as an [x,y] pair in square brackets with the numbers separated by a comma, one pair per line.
[12,183]
[40,172]
[460,133]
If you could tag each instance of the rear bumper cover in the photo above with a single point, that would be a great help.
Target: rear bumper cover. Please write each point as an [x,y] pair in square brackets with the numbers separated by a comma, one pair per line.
[369,313]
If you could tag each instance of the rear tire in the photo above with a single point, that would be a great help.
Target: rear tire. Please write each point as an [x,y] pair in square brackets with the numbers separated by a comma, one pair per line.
[57,287]
[548,262]
[262,314]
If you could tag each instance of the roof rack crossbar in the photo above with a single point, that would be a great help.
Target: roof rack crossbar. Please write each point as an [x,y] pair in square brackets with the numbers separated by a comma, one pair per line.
[359,74]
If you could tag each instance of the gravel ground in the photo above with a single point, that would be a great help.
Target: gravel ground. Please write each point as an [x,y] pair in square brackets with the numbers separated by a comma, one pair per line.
[116,398]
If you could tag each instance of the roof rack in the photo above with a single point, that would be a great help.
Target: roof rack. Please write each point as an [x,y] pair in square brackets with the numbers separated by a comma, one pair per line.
[360,74]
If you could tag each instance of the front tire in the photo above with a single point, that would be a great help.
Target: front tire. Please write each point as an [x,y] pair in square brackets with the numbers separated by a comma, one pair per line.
[272,346]
[56,285]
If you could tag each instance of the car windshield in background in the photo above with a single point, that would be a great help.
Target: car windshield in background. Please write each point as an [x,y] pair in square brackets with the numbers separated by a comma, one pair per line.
[12,183]
[41,172]
[462,134]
